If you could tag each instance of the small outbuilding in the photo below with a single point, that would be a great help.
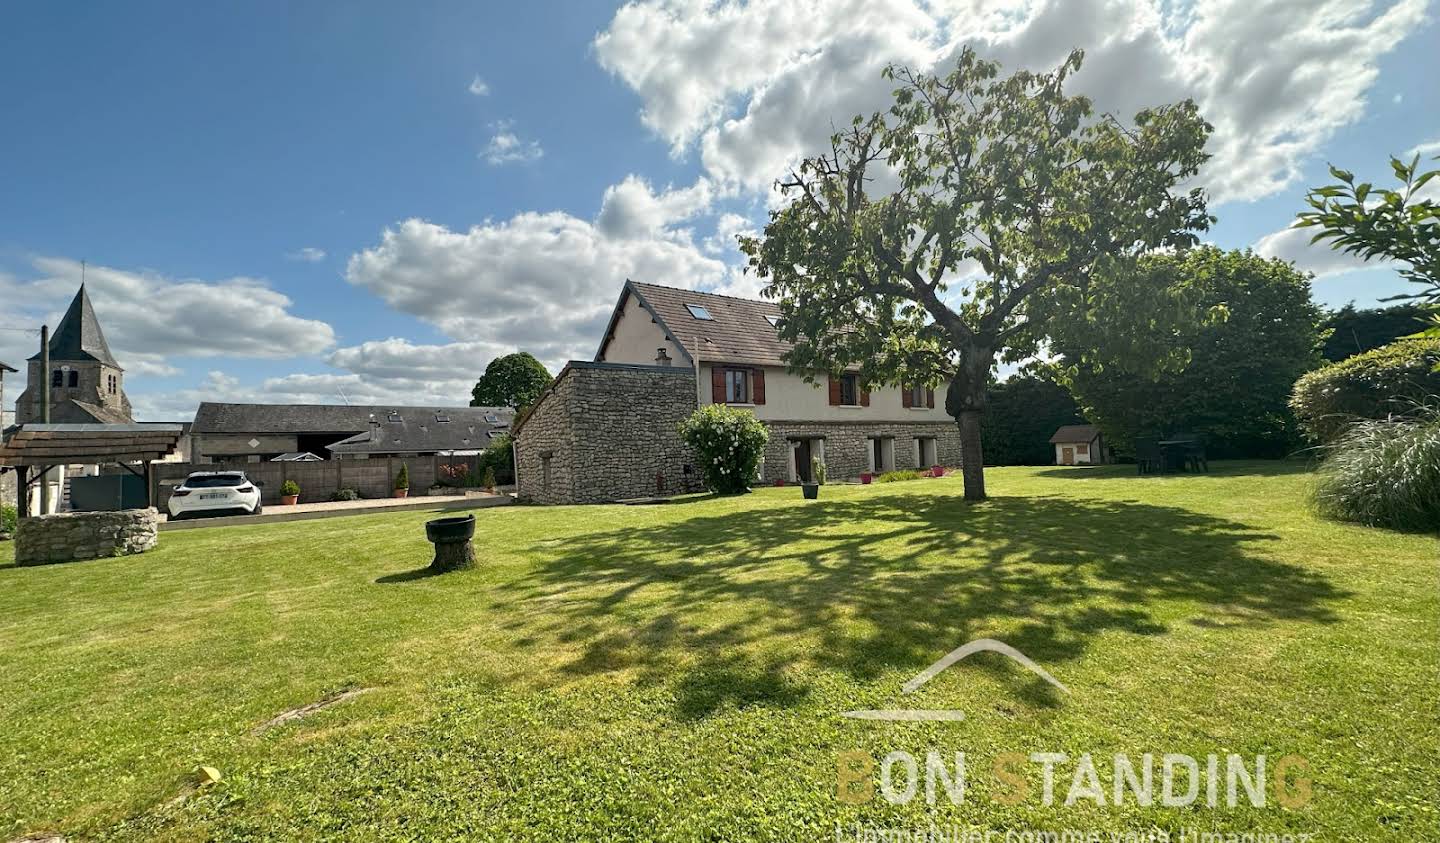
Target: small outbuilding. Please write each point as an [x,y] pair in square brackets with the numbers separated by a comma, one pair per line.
[1078,444]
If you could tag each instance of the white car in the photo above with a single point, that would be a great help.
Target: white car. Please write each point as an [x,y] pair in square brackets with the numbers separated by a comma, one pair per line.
[215,491]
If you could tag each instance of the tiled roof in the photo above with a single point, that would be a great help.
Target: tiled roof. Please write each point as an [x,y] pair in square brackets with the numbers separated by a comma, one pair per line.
[214,417]
[1075,433]
[424,435]
[5,367]
[736,332]
[78,337]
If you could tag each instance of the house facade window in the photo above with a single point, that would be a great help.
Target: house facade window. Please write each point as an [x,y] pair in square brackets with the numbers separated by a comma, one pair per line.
[850,390]
[73,379]
[57,378]
[737,386]
[926,454]
[917,396]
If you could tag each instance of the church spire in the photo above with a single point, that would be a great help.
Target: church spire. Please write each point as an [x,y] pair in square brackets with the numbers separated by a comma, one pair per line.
[78,336]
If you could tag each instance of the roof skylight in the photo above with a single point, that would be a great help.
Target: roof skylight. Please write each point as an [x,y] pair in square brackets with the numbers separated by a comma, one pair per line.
[773,320]
[699,312]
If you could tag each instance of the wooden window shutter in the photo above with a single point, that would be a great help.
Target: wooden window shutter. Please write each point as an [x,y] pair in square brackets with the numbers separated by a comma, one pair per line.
[757,386]
[864,397]
[905,396]
[930,398]
[834,391]
[717,385]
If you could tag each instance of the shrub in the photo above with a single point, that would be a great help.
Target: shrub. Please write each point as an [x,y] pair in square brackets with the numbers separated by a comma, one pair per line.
[488,481]
[817,470]
[402,478]
[1373,385]
[1384,473]
[728,442]
[499,457]
[345,495]
[897,476]
[289,487]
[8,519]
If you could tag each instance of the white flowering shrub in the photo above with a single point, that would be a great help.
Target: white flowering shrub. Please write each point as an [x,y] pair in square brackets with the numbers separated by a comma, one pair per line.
[728,443]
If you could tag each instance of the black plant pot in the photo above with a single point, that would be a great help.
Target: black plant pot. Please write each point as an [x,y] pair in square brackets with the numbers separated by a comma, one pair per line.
[450,530]
[811,490]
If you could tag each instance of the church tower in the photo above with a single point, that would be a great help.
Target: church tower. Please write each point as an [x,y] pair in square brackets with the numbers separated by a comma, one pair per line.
[86,384]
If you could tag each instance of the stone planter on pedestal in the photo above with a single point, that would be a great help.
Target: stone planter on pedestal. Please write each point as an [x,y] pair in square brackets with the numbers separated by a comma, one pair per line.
[451,537]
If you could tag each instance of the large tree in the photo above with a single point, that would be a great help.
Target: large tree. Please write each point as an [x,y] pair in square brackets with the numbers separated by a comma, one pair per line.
[1021,415]
[961,224]
[513,381]
[1254,331]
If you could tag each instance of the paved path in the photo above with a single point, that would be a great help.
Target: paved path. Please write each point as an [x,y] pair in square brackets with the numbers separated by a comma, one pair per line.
[335,509]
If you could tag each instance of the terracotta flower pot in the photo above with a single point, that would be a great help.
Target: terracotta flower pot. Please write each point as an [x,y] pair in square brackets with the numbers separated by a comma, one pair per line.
[780,482]
[937,471]
[866,477]
[402,493]
[289,500]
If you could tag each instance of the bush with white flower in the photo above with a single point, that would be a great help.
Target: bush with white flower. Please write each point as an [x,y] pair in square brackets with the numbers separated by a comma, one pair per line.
[728,444]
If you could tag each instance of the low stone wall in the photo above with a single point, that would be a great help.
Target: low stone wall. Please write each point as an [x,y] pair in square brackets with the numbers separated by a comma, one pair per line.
[84,535]
[606,431]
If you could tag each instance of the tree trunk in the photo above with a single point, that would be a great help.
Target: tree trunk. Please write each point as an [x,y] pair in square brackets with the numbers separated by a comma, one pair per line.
[453,556]
[972,457]
[966,402]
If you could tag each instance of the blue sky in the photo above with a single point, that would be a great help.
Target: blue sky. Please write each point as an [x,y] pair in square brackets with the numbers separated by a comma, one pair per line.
[293,201]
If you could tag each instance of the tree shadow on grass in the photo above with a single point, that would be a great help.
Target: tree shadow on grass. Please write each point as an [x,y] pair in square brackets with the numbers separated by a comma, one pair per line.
[1218,468]
[717,603]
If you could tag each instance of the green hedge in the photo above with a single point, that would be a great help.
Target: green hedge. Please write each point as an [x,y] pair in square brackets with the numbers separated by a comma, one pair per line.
[1386,381]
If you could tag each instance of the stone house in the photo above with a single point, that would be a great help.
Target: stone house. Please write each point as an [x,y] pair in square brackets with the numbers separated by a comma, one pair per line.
[606,430]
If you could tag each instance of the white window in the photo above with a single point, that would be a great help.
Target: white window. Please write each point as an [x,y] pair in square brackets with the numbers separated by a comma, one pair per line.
[698,312]
[737,386]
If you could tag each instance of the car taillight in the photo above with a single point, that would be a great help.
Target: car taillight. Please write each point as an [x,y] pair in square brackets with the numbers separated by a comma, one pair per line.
[179,493]
[246,489]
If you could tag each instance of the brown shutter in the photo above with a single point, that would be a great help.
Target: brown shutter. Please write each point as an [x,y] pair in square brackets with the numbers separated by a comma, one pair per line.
[834,391]
[864,397]
[905,396]
[717,385]
[930,398]
[757,386]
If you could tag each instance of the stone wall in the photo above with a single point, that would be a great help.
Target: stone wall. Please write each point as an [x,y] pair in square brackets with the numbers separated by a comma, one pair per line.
[84,535]
[606,432]
[847,445]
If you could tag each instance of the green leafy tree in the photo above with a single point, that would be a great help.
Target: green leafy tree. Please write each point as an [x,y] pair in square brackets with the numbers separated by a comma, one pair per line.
[1355,331]
[1255,331]
[1391,223]
[402,477]
[1007,203]
[513,381]
[728,443]
[1022,414]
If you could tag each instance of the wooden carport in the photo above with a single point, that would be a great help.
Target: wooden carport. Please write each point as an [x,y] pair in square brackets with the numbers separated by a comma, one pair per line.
[39,447]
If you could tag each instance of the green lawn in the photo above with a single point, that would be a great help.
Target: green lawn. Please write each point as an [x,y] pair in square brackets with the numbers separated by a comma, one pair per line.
[677,672]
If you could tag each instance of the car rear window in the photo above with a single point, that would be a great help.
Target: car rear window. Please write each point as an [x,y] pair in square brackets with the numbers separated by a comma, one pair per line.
[216,481]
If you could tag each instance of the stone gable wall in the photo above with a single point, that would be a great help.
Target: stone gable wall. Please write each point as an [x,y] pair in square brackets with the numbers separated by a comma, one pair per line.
[69,536]
[607,432]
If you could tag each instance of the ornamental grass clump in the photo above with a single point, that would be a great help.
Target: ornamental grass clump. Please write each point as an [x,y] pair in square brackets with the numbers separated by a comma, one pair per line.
[728,444]
[1384,473]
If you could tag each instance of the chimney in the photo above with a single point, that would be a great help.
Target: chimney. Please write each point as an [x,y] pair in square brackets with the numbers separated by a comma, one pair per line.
[661,358]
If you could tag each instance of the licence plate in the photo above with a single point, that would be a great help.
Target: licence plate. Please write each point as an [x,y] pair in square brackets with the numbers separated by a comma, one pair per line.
[211,497]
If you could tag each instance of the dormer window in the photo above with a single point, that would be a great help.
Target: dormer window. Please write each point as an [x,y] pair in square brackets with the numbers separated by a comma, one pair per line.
[699,312]
[442,418]
[395,417]
[491,418]
[773,320]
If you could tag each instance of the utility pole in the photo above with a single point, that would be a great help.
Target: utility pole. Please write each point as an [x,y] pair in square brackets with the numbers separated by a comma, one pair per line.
[45,412]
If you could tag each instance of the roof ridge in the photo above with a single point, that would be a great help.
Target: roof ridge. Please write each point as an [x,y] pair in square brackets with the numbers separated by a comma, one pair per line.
[707,293]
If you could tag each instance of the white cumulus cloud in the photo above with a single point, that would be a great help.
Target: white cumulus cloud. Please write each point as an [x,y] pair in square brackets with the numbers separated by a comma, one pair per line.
[478,86]
[1276,79]
[506,147]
